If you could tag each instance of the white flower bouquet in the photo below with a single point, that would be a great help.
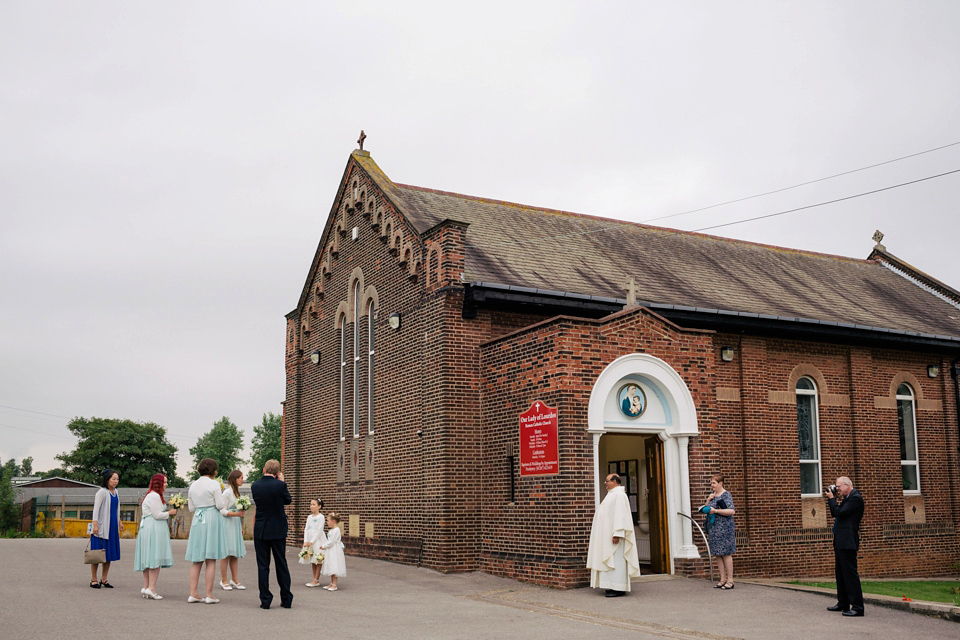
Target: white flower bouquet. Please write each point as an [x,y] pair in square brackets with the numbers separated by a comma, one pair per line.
[177,501]
[243,503]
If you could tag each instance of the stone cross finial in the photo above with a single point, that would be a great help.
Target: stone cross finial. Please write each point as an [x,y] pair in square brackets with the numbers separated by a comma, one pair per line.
[360,140]
[631,286]
[877,237]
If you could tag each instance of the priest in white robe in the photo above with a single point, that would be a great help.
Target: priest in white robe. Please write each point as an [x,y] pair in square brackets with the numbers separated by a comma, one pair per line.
[612,557]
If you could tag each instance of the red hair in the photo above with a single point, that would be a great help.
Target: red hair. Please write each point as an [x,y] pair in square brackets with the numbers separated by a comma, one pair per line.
[156,484]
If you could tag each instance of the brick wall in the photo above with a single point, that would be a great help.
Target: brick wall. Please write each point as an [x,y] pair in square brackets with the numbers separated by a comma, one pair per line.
[431,484]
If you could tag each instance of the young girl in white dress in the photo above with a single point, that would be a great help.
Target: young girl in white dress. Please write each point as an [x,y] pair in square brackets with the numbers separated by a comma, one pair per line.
[334,564]
[313,539]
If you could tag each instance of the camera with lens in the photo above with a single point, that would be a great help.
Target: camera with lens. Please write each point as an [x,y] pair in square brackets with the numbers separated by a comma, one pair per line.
[833,489]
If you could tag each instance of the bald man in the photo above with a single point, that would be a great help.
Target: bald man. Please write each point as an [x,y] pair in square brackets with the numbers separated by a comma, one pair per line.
[846,542]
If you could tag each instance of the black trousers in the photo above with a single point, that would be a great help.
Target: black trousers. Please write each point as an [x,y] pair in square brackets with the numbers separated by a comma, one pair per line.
[263,549]
[849,594]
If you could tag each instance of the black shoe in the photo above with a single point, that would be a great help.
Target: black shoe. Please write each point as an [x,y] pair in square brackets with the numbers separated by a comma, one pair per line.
[106,585]
[286,606]
[853,613]
[94,584]
[611,593]
[837,607]
[264,606]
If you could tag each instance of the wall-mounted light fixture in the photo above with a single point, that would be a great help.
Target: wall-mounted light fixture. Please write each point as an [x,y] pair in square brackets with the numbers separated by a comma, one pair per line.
[726,354]
[315,357]
[394,320]
[933,370]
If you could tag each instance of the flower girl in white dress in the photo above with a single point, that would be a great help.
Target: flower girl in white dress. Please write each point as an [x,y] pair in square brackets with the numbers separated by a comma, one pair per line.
[334,564]
[313,540]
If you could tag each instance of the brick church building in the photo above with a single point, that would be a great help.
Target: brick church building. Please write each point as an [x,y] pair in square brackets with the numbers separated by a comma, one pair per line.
[463,372]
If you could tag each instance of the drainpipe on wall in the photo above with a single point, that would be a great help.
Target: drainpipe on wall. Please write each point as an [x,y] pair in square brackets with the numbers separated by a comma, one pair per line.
[955,374]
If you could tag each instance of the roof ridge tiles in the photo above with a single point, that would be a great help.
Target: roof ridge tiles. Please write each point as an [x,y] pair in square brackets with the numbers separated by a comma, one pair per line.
[632,224]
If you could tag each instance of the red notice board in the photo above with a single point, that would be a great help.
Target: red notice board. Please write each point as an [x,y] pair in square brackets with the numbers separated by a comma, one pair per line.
[539,448]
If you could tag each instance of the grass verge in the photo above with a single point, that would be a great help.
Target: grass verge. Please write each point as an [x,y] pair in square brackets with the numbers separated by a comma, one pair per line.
[946,591]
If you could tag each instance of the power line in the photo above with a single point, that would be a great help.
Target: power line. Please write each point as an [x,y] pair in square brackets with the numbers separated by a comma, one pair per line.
[53,415]
[802,184]
[820,204]
[43,433]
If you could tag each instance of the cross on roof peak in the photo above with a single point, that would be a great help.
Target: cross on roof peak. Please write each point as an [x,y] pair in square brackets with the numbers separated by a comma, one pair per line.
[360,140]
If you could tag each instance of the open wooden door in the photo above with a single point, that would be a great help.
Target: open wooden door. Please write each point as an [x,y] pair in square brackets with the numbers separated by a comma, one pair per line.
[657,507]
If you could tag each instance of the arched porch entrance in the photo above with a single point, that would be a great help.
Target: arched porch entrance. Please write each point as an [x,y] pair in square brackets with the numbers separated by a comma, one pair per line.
[644,407]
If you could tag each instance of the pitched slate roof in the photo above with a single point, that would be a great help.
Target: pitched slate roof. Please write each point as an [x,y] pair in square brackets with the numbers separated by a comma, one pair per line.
[512,244]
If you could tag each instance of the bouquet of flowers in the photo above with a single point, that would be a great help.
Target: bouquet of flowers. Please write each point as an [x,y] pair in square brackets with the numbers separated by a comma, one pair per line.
[317,558]
[177,501]
[305,555]
[243,503]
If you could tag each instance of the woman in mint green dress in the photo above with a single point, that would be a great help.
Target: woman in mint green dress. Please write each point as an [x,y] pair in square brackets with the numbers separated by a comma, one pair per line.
[207,541]
[153,538]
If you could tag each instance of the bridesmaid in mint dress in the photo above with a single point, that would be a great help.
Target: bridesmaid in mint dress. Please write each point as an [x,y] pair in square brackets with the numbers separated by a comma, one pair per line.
[207,541]
[153,538]
[233,524]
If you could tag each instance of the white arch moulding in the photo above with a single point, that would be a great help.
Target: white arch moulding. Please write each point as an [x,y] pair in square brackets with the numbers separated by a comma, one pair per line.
[675,434]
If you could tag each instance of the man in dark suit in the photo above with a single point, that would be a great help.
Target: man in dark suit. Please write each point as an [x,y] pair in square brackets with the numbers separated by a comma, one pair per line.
[270,533]
[846,542]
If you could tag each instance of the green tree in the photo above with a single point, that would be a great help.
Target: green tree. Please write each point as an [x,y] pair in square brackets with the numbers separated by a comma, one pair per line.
[135,450]
[9,513]
[11,467]
[223,443]
[265,444]
[26,466]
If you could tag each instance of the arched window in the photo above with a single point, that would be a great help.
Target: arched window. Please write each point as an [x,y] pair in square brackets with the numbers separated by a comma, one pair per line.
[356,359]
[371,351]
[808,435]
[909,461]
[343,368]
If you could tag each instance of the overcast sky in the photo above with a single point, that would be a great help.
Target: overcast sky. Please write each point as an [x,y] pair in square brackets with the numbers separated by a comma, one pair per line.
[166,169]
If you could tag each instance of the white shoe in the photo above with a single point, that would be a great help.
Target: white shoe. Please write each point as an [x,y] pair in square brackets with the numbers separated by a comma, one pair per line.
[226,587]
[210,601]
[150,594]
[313,584]
[143,593]
[238,587]
[191,599]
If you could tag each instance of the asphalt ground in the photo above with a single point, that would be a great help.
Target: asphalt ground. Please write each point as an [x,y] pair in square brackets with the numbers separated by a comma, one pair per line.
[44,593]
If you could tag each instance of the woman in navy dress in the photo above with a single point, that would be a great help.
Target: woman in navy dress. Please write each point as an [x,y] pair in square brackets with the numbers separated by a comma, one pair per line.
[722,542]
[106,526]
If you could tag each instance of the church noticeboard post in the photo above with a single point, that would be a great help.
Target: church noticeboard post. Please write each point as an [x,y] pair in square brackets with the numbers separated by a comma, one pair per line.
[539,449]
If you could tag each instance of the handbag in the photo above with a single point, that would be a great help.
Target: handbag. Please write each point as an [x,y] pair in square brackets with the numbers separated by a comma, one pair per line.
[94,556]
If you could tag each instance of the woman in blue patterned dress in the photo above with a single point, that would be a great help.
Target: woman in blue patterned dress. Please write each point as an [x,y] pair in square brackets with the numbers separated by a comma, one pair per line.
[106,526]
[722,543]
[207,541]
[153,538]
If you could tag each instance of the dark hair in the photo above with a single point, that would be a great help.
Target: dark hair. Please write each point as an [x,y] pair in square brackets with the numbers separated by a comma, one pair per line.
[207,467]
[232,481]
[319,502]
[105,480]
[616,478]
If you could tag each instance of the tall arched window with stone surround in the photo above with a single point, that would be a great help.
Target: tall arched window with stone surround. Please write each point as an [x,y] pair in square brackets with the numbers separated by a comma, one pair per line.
[356,359]
[343,370]
[371,350]
[808,436]
[909,460]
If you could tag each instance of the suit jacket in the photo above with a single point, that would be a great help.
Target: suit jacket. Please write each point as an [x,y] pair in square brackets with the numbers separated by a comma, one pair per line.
[846,520]
[270,496]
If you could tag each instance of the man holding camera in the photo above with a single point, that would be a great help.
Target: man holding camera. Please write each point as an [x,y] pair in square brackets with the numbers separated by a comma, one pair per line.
[846,542]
